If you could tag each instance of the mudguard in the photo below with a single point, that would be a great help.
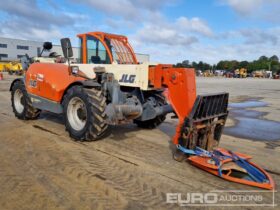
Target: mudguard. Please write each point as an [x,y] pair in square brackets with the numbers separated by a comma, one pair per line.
[15,80]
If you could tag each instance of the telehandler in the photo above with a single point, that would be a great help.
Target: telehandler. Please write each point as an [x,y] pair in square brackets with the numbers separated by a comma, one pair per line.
[110,87]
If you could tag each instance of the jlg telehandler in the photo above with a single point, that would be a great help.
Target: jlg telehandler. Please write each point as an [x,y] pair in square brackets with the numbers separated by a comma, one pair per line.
[109,86]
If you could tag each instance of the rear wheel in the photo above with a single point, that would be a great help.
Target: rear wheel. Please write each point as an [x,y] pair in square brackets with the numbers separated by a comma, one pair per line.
[21,103]
[84,113]
[153,123]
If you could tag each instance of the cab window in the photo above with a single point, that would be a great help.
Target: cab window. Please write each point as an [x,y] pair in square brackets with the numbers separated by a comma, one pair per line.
[96,51]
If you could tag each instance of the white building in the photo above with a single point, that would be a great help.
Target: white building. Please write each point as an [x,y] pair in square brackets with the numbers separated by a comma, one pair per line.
[11,49]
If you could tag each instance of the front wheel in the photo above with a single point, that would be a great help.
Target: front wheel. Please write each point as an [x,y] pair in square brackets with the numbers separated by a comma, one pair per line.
[21,103]
[84,113]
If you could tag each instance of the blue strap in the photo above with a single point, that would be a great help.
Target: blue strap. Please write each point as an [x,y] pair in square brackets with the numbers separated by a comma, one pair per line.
[201,152]
[218,164]
[254,173]
[197,151]
[186,151]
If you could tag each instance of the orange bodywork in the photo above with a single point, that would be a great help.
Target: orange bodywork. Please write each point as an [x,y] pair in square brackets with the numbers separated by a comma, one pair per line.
[120,43]
[181,90]
[51,80]
[204,163]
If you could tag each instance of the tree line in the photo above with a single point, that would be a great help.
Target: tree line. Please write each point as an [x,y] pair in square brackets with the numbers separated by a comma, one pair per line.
[263,63]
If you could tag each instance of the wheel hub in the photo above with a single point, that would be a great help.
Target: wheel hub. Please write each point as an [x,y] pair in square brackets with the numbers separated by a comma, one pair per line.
[19,101]
[22,101]
[77,113]
[81,114]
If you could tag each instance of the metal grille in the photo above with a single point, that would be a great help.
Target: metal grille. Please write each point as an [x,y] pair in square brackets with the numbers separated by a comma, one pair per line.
[121,53]
[207,106]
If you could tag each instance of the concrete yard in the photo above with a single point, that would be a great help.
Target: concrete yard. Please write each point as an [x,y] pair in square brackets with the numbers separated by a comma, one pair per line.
[132,168]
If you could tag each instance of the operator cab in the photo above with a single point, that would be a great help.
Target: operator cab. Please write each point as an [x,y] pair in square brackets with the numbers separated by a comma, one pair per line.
[104,48]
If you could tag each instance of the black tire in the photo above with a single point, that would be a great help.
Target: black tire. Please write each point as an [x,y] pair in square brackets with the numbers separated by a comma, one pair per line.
[26,110]
[153,123]
[19,72]
[92,114]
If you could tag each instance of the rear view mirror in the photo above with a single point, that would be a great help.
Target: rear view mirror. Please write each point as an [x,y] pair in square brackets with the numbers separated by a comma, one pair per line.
[66,47]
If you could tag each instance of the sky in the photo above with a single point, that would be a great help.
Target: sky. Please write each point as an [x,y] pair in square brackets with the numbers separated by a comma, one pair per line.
[170,31]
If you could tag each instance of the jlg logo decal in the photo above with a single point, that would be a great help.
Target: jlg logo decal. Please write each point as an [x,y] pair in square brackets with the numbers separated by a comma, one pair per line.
[127,78]
[33,83]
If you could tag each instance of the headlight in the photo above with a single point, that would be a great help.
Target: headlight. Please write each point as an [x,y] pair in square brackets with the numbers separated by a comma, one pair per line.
[74,69]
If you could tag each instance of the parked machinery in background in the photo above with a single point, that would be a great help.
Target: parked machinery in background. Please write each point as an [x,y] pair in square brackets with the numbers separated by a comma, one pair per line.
[258,74]
[276,75]
[228,74]
[240,73]
[14,67]
[199,73]
[219,73]
[3,66]
[208,73]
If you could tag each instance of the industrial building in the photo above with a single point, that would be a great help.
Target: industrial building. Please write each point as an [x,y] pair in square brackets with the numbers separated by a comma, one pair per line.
[11,49]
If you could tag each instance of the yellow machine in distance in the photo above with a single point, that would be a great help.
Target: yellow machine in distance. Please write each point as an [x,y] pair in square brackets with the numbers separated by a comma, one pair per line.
[12,67]
[240,73]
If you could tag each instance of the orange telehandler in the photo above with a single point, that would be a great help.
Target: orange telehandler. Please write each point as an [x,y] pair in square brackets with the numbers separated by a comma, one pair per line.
[110,87]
